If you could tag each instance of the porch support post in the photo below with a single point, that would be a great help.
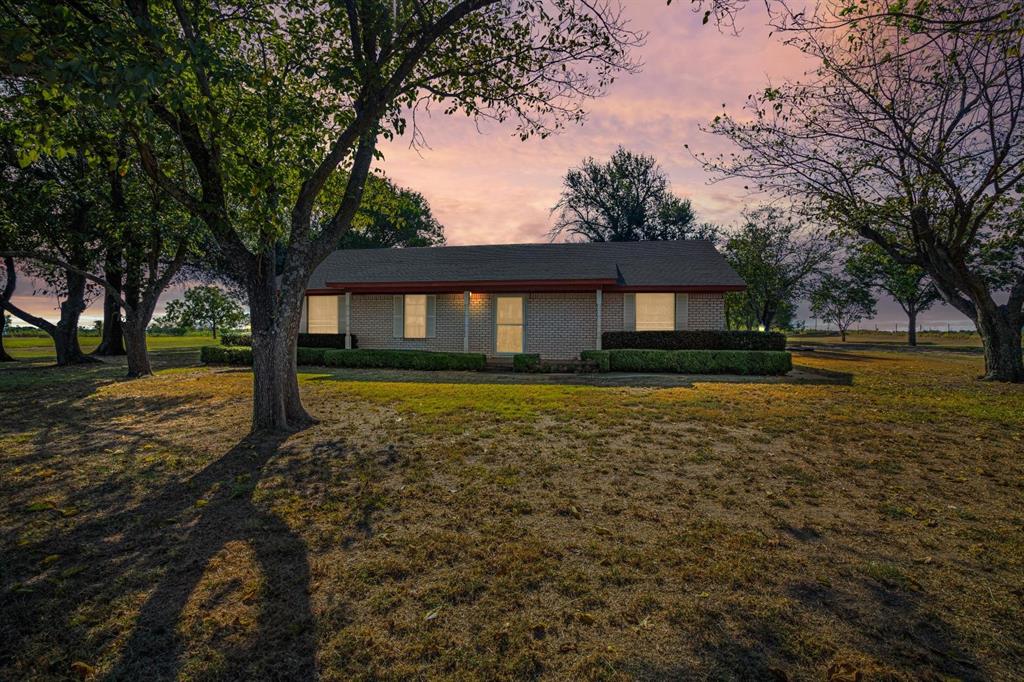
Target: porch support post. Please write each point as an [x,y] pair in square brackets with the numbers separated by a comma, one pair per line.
[599,306]
[348,319]
[465,321]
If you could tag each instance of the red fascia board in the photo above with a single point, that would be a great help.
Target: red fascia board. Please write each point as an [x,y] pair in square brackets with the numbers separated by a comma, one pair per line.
[486,286]
[482,286]
[693,289]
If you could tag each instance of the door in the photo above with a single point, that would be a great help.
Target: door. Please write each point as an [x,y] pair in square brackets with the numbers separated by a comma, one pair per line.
[511,324]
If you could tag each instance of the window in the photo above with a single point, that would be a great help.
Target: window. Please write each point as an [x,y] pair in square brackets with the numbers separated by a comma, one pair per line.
[323,314]
[415,316]
[510,324]
[655,312]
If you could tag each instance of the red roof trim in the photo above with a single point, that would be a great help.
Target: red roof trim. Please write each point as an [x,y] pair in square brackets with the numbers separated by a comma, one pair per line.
[477,285]
[524,285]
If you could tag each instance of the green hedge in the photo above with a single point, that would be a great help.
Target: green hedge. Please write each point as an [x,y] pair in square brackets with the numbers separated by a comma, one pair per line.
[700,361]
[709,339]
[405,359]
[226,355]
[235,339]
[310,356]
[599,357]
[305,340]
[526,362]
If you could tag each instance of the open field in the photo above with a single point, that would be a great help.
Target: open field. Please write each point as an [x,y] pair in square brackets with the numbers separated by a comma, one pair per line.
[871,522]
[925,340]
[41,347]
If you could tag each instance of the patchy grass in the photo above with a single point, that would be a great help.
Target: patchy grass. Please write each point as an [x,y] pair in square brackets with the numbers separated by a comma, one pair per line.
[461,528]
[925,340]
[41,347]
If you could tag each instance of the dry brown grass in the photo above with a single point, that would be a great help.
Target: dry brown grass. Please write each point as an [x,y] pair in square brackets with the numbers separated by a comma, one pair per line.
[482,531]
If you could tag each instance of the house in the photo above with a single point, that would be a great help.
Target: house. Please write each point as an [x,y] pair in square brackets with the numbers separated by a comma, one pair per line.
[550,299]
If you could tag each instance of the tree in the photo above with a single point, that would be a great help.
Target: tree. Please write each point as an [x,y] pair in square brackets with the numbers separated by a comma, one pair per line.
[842,300]
[625,199]
[112,335]
[204,307]
[5,318]
[909,136]
[908,285]
[777,255]
[278,108]
[392,216]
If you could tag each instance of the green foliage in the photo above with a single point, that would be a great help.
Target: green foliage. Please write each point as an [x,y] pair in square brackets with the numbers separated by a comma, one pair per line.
[598,357]
[625,199]
[226,355]
[405,359]
[205,307]
[234,339]
[700,361]
[326,340]
[777,255]
[526,362]
[842,300]
[909,285]
[392,216]
[695,339]
[310,356]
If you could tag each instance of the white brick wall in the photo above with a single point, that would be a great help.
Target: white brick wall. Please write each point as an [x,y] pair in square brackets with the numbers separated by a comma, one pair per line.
[558,325]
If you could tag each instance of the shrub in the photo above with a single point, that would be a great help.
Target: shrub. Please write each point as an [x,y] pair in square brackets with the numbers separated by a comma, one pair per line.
[710,339]
[526,362]
[405,359]
[700,361]
[336,341]
[305,340]
[310,356]
[599,357]
[235,339]
[226,355]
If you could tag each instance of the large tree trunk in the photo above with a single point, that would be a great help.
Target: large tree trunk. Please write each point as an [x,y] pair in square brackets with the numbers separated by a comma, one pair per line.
[912,327]
[274,317]
[65,333]
[1001,337]
[4,357]
[113,335]
[135,340]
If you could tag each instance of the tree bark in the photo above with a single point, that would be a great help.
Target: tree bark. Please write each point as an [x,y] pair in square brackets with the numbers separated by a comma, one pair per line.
[112,342]
[1001,336]
[912,327]
[135,342]
[65,334]
[4,357]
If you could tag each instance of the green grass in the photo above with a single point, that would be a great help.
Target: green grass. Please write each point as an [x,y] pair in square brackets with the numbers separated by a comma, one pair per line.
[924,339]
[447,526]
[41,348]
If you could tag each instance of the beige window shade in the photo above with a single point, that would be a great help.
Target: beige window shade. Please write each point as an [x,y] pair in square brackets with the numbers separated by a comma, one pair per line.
[323,315]
[510,324]
[655,312]
[415,316]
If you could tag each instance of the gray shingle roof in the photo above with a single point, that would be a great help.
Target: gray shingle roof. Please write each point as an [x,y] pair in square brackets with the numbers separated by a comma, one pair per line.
[662,264]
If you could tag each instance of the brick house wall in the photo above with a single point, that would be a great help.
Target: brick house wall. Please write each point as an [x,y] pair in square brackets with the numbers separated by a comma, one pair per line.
[558,325]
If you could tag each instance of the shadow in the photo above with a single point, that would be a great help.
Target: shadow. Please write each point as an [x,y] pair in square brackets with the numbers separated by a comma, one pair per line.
[162,548]
[799,375]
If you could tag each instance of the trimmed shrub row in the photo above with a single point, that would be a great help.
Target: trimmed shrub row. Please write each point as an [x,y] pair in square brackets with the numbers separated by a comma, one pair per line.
[405,359]
[526,362]
[700,361]
[235,339]
[599,357]
[226,355]
[305,340]
[709,339]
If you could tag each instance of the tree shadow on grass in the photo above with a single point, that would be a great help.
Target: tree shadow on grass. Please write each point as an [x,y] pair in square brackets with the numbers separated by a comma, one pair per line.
[162,548]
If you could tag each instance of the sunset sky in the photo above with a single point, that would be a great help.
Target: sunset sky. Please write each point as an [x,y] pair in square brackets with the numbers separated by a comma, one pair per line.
[486,186]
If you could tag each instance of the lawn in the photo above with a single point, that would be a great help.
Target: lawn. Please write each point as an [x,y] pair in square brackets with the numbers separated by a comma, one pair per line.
[868,523]
[41,347]
[925,340]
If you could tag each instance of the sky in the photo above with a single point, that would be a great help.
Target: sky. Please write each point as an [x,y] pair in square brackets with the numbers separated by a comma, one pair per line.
[486,186]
